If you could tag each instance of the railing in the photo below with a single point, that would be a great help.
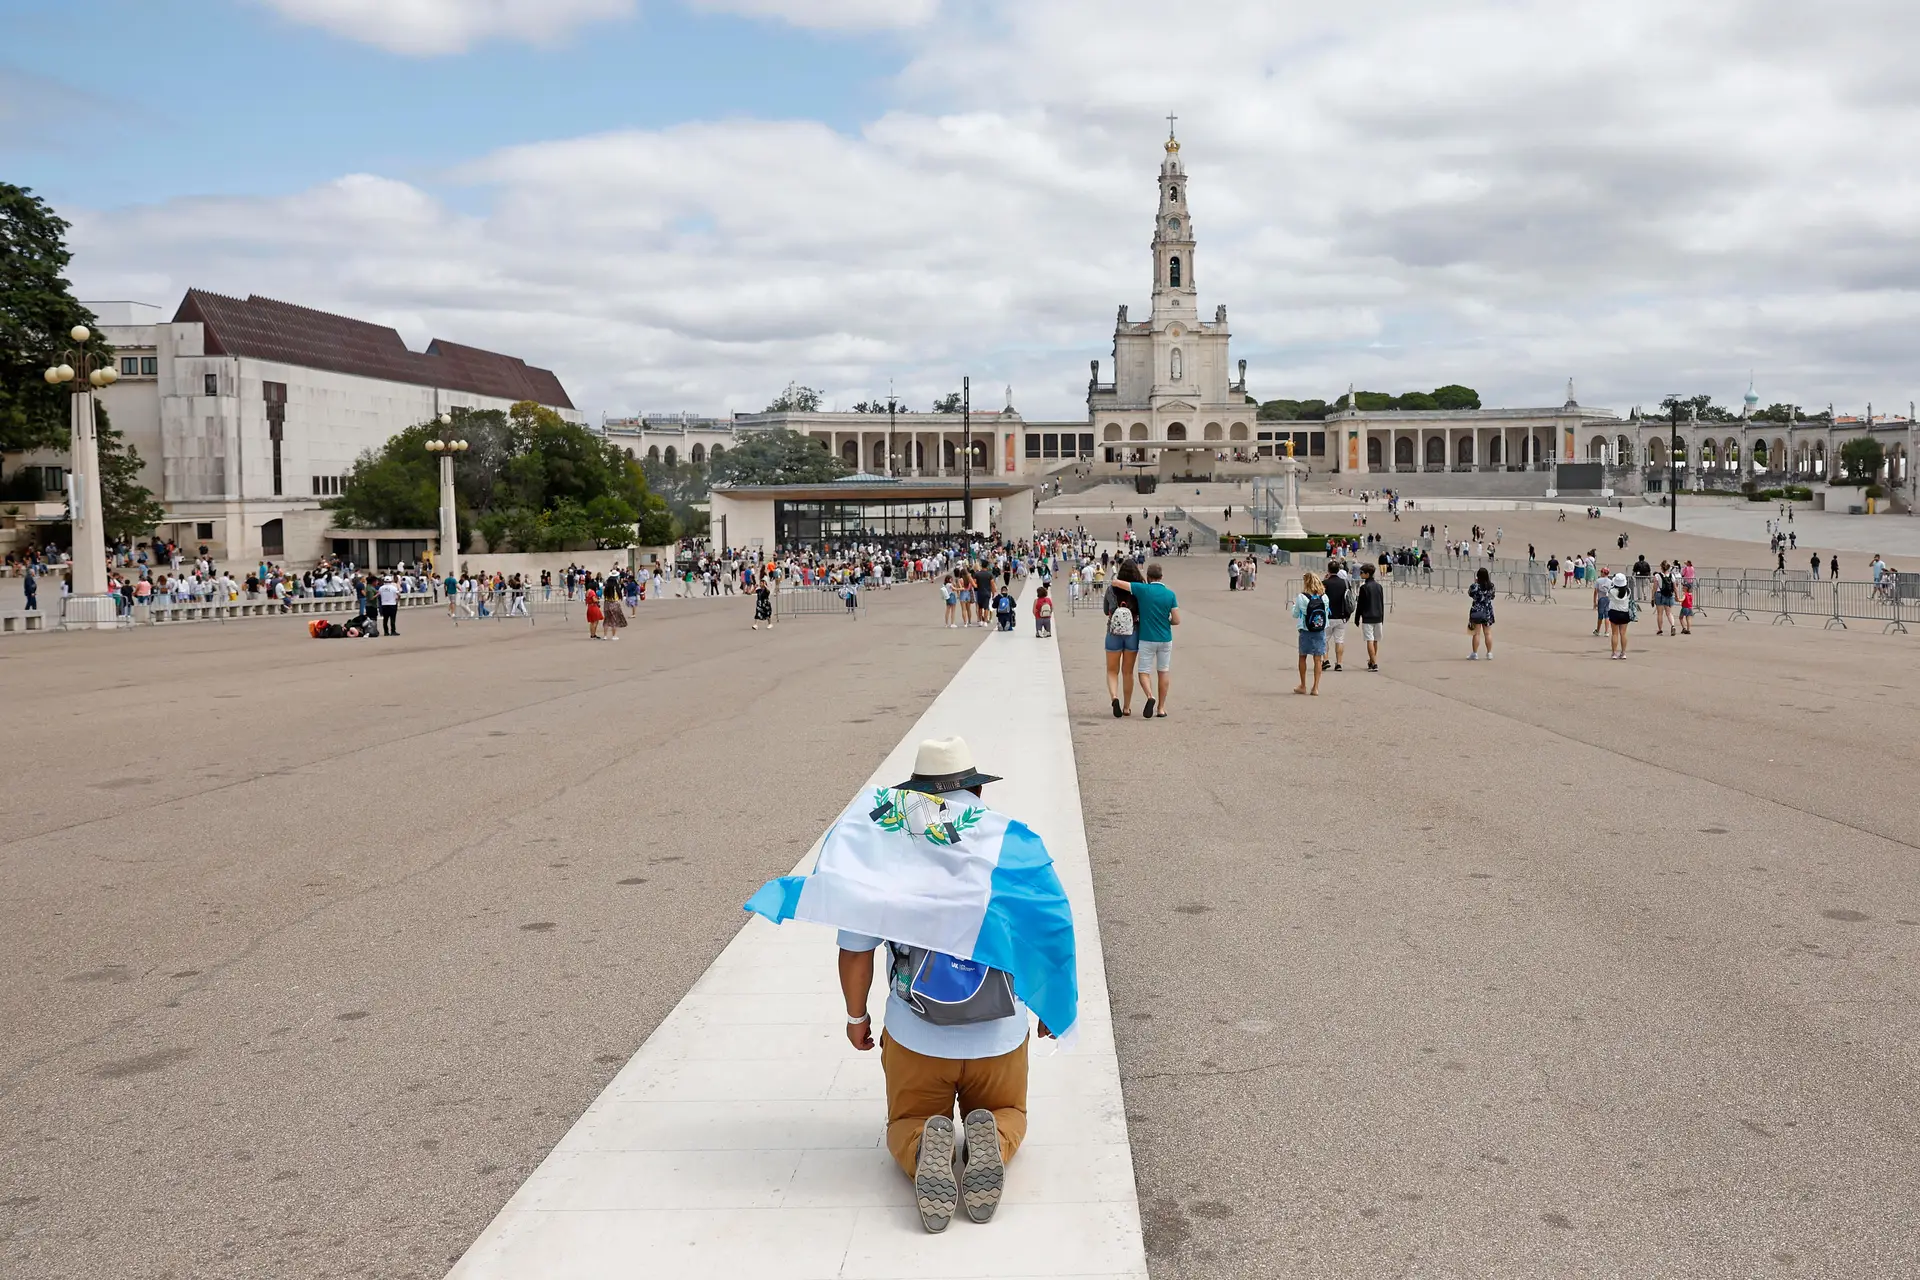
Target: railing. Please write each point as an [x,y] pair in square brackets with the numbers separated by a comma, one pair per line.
[817,602]
[503,604]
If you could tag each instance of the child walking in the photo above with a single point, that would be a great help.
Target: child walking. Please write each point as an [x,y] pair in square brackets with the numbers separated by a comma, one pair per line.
[1686,609]
[1042,613]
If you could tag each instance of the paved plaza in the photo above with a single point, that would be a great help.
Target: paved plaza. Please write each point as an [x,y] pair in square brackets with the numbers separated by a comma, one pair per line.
[426,955]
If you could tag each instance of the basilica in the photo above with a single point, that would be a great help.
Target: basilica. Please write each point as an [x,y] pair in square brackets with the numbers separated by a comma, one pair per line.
[1174,401]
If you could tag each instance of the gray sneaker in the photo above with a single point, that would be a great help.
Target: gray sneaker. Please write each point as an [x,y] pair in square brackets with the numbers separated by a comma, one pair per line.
[984,1174]
[935,1192]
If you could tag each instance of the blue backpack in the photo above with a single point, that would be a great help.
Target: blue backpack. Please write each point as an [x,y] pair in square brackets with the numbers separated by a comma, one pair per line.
[946,990]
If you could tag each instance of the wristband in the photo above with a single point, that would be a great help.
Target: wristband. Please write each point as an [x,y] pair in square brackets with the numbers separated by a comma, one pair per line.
[854,1022]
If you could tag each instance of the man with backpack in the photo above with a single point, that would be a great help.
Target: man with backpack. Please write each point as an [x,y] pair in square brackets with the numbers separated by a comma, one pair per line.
[956,1031]
[1310,616]
[1373,614]
[1339,610]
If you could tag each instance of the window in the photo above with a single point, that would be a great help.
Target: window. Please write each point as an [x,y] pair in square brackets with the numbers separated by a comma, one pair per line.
[1033,444]
[1173,272]
[1050,445]
[316,486]
[149,365]
[204,529]
[1086,444]
[210,385]
[1316,444]
[53,480]
[129,366]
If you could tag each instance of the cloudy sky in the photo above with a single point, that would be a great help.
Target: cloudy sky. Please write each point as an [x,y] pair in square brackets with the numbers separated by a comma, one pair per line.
[684,204]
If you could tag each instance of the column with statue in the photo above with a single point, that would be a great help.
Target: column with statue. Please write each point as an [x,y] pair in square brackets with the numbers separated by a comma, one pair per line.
[1288,525]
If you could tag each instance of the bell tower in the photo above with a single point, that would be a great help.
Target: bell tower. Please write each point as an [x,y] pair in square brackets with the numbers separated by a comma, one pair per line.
[1174,295]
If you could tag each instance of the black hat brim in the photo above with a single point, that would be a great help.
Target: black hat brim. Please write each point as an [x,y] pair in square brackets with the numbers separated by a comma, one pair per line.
[934,784]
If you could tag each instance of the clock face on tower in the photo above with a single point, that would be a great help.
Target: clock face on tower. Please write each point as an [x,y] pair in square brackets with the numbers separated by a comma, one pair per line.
[1173,226]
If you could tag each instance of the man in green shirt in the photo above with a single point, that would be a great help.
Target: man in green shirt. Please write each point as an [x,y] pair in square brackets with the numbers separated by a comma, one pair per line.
[1159,614]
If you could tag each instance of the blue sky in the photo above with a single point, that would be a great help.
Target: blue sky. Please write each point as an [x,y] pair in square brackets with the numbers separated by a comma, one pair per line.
[686,204]
[213,97]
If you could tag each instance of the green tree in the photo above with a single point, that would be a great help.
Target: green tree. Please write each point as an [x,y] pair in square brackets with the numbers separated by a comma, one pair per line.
[1701,406]
[530,481]
[779,456]
[1455,396]
[796,399]
[1292,410]
[949,403]
[1860,459]
[1780,413]
[1374,401]
[37,308]
[1415,400]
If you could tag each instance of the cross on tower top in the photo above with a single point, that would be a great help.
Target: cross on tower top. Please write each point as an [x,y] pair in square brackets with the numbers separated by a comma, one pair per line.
[1170,119]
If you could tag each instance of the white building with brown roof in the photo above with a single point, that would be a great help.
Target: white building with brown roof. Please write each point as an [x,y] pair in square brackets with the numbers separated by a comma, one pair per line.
[249,413]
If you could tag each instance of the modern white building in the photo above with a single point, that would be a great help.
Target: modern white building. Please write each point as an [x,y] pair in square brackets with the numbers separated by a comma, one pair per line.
[248,413]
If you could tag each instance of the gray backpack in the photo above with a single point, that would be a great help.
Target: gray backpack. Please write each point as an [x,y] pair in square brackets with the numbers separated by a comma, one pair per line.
[946,990]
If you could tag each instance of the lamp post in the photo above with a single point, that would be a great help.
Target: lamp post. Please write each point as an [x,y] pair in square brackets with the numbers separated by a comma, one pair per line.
[444,448]
[966,462]
[1673,470]
[82,372]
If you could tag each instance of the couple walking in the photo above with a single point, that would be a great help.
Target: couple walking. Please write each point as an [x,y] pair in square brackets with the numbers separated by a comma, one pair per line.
[1321,613]
[1141,616]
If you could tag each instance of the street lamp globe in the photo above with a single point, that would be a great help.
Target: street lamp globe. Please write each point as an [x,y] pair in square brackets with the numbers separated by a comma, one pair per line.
[434,446]
[463,446]
[53,376]
[79,333]
[66,373]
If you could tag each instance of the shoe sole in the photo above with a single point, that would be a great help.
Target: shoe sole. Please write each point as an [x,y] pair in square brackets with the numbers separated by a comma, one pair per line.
[985,1176]
[935,1192]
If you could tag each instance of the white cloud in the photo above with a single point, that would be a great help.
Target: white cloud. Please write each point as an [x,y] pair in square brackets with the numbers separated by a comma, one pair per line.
[423,27]
[1648,198]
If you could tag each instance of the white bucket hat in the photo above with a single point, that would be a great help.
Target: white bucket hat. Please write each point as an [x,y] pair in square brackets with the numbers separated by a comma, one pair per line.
[945,764]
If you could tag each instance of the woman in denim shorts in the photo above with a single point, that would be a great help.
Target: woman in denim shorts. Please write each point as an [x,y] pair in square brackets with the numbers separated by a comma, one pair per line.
[1123,649]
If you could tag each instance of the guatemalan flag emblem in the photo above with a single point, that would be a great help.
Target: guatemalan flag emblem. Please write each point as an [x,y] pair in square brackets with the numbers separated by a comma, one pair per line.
[947,876]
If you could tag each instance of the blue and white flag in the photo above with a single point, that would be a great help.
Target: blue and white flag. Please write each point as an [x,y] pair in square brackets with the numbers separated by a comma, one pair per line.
[949,876]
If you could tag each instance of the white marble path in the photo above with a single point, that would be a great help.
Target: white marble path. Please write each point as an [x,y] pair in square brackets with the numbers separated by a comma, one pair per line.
[744,1138]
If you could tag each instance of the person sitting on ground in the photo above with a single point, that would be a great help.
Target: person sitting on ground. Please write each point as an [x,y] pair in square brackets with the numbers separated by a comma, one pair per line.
[1003,610]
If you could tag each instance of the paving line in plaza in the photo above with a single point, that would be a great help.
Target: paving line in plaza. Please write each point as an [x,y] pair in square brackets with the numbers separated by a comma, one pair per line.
[744,1139]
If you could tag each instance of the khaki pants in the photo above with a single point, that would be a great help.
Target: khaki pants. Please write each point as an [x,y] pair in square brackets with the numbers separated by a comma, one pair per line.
[919,1087]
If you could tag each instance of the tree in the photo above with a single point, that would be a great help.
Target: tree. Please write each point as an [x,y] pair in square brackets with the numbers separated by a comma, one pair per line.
[1455,396]
[1291,410]
[530,481]
[949,403]
[128,509]
[37,308]
[1701,406]
[1780,413]
[780,456]
[1860,459]
[1416,400]
[796,399]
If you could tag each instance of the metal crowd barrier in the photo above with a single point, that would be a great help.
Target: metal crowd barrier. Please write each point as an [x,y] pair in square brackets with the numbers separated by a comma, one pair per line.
[502,605]
[815,602]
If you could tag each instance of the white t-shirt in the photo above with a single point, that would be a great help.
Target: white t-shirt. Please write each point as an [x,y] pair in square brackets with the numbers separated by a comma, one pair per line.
[389,594]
